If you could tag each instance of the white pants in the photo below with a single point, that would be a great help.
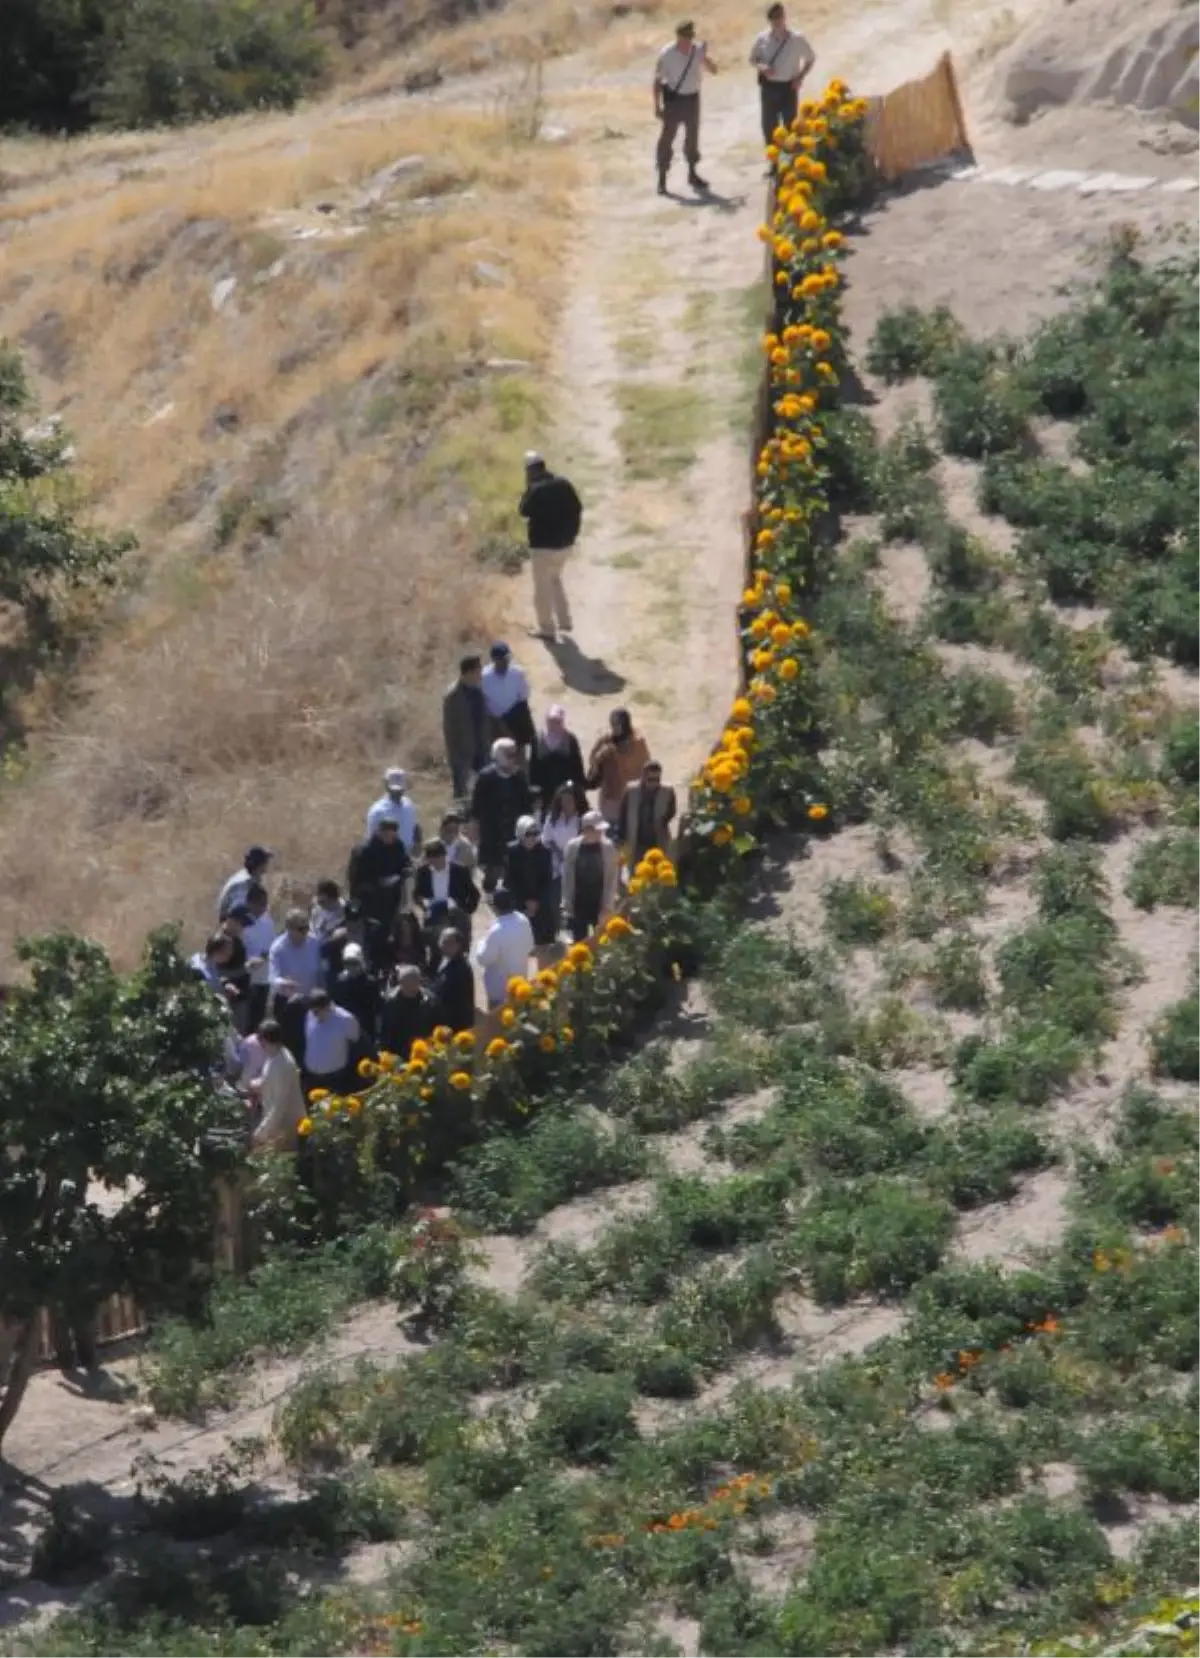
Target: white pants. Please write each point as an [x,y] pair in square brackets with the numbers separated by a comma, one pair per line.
[549,596]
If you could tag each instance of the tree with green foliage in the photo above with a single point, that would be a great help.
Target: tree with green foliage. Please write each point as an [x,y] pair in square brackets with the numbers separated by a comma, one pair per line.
[66,65]
[106,1084]
[44,549]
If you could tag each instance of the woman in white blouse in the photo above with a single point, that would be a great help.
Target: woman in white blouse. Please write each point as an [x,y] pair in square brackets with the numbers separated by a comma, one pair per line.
[562,822]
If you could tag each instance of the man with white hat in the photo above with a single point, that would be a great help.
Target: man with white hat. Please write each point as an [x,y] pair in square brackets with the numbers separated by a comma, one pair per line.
[553,513]
[397,806]
[591,872]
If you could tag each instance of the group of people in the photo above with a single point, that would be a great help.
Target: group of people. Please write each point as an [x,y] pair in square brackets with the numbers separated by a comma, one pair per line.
[781,59]
[386,958]
[389,956]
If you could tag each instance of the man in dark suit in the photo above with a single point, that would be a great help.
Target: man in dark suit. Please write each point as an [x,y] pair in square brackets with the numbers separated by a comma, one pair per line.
[377,877]
[447,895]
[454,984]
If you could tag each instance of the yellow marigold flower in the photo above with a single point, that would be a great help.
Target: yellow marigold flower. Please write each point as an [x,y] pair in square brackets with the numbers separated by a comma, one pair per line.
[507,1018]
[821,340]
[579,953]
[818,812]
[782,279]
[800,630]
[637,885]
[442,1033]
[758,628]
[762,659]
[465,1039]
[460,1080]
[426,1093]
[354,1105]
[416,1067]
[617,926]
[742,805]
[750,599]
[724,779]
[304,1127]
[316,1095]
[667,876]
[779,356]
[781,634]
[387,1061]
[762,690]
[722,834]
[764,233]
[789,668]
[419,1050]
[547,1043]
[810,220]
[496,1048]
[547,978]
[366,1067]
[656,856]
[566,1036]
[827,372]
[741,710]
[833,239]
[783,592]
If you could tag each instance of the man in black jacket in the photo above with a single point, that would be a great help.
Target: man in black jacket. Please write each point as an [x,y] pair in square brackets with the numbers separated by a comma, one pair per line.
[501,795]
[447,895]
[378,874]
[553,512]
[454,984]
[407,1015]
[356,991]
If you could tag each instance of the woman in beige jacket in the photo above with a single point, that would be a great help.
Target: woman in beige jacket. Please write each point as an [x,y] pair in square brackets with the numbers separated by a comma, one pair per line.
[616,761]
[591,876]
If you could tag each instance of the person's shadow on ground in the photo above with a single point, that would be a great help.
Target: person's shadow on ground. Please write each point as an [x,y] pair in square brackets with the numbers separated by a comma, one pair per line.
[709,198]
[587,674]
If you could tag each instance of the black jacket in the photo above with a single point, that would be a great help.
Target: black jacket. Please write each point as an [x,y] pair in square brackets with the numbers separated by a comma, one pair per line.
[454,993]
[554,512]
[463,890]
[405,1020]
[550,768]
[528,871]
[371,862]
[496,804]
[359,994]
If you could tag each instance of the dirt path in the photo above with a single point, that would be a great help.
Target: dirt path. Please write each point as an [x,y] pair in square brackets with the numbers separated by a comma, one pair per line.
[656,372]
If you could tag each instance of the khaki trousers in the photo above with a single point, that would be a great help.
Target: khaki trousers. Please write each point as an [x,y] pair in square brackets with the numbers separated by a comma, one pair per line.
[549,595]
[680,112]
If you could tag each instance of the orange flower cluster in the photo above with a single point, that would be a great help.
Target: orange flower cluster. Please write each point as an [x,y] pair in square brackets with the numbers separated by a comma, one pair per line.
[727,1501]
[968,1357]
[757,747]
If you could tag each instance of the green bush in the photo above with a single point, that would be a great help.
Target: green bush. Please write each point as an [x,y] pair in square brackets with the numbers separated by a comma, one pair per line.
[858,912]
[1026,1066]
[1173,1044]
[1164,871]
[589,1419]
[881,1234]
[906,493]
[984,706]
[909,341]
[981,408]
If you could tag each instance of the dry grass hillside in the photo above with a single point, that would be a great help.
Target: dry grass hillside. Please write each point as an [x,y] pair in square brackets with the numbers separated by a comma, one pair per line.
[271,349]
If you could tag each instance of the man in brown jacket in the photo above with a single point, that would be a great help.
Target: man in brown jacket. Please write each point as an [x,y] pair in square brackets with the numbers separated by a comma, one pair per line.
[464,725]
[647,812]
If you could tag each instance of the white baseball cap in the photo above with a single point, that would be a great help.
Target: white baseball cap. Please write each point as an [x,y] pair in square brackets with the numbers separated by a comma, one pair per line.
[396,777]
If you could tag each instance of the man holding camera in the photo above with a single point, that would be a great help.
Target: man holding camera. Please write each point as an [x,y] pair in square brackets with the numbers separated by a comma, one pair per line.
[782,59]
[678,73]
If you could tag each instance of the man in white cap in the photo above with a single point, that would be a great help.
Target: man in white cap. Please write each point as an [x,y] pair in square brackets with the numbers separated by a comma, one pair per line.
[591,872]
[553,513]
[398,806]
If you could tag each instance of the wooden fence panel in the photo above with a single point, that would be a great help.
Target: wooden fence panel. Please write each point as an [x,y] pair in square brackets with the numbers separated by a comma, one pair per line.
[918,123]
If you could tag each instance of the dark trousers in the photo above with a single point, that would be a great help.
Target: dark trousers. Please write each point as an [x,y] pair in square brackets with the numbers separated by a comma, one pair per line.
[584,919]
[337,1082]
[779,104]
[256,1007]
[290,1012]
[679,112]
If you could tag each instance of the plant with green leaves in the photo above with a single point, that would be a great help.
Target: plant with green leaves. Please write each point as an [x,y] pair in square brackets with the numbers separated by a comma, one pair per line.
[106,1081]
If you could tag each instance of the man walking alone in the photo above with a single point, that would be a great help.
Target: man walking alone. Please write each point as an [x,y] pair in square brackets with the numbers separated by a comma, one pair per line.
[782,58]
[553,512]
[677,77]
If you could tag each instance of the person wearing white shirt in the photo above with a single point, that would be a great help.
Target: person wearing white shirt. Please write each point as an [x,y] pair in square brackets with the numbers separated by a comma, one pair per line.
[253,871]
[506,698]
[460,848]
[504,950]
[678,72]
[397,806]
[562,823]
[782,59]
[278,1089]
[330,1033]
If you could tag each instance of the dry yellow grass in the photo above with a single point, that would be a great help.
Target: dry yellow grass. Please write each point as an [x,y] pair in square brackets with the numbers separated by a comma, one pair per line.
[309,467]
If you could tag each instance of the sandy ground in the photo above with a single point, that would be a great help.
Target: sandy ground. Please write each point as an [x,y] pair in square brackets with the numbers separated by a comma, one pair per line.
[661,296]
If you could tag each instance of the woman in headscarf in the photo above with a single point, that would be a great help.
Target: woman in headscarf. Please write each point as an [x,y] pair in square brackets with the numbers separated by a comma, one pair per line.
[557,757]
[616,761]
